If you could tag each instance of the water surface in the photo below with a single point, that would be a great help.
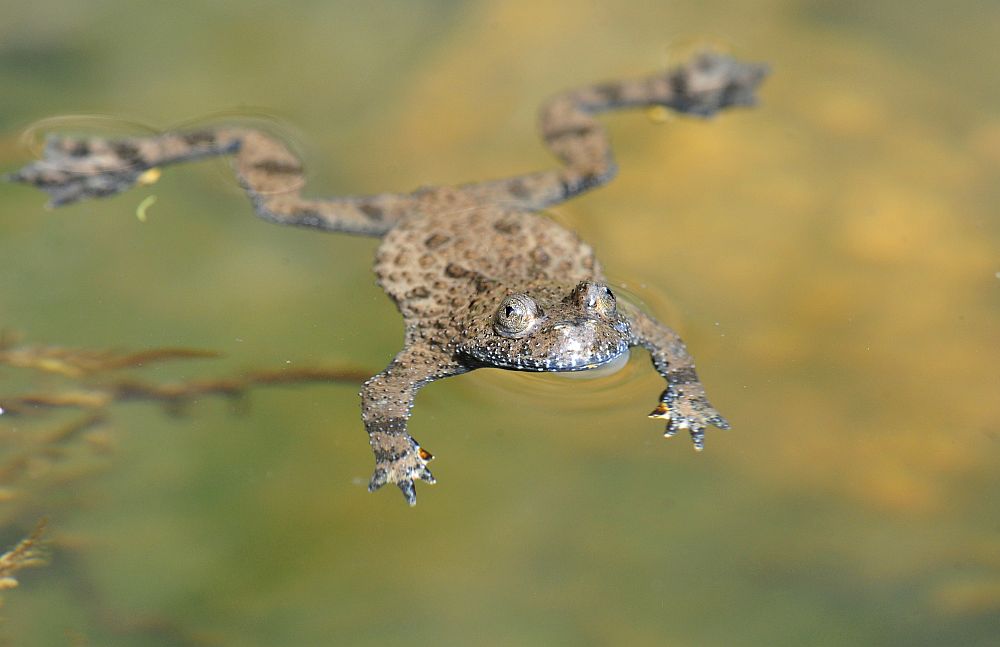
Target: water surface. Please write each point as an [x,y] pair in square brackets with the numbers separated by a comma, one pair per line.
[830,257]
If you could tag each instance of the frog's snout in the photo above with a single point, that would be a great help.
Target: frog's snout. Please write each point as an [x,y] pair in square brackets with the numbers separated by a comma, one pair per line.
[581,342]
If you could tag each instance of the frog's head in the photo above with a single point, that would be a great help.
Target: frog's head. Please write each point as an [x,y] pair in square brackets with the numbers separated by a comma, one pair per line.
[547,327]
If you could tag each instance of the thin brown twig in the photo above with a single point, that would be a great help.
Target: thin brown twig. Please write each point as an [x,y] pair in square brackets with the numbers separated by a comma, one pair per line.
[26,554]
[177,393]
[77,362]
[49,444]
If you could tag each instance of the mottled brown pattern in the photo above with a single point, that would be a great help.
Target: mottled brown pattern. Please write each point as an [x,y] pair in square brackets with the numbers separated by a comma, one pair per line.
[480,278]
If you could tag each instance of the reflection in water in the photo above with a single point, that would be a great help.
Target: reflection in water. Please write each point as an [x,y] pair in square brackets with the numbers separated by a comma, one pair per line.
[578,391]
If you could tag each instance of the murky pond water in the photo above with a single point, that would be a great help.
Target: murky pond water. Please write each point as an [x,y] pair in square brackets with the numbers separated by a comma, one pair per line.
[831,257]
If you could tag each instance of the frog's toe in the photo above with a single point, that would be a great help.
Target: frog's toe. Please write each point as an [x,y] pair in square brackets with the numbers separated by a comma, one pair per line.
[409,491]
[379,478]
[405,484]
[698,439]
[403,471]
[425,475]
[407,487]
[693,414]
[718,421]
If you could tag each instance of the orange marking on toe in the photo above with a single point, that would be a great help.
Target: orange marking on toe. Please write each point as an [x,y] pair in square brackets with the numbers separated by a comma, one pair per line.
[661,411]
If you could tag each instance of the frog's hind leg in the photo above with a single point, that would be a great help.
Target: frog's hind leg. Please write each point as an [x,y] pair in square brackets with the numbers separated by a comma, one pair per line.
[702,86]
[79,168]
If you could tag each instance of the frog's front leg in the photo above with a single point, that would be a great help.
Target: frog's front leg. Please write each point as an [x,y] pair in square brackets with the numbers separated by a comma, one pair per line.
[386,402]
[683,403]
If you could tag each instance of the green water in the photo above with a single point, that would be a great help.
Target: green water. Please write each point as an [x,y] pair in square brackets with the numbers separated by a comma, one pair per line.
[831,258]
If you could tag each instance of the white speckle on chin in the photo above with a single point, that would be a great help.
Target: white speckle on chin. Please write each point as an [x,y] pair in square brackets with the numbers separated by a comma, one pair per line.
[571,342]
[572,347]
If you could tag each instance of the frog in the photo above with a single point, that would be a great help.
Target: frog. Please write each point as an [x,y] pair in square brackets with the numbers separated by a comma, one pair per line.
[481,276]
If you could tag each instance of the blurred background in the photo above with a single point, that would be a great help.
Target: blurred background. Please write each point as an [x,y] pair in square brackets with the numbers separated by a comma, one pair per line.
[831,257]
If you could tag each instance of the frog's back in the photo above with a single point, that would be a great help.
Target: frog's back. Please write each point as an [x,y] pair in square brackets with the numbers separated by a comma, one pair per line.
[430,262]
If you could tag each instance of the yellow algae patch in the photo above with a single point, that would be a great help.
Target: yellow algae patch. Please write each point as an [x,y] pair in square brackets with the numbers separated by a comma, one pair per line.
[829,299]
[844,112]
[887,224]
[909,472]
[970,596]
[898,489]
[985,141]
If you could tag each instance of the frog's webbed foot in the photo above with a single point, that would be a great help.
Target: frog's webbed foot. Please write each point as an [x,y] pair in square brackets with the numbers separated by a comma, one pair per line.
[686,407]
[402,468]
[711,82]
[683,404]
[76,168]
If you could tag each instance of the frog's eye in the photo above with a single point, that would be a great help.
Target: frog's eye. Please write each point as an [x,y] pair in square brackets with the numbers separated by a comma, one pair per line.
[605,302]
[515,315]
[594,296]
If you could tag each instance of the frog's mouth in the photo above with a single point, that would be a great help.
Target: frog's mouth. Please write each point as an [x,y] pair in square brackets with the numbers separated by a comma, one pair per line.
[563,346]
